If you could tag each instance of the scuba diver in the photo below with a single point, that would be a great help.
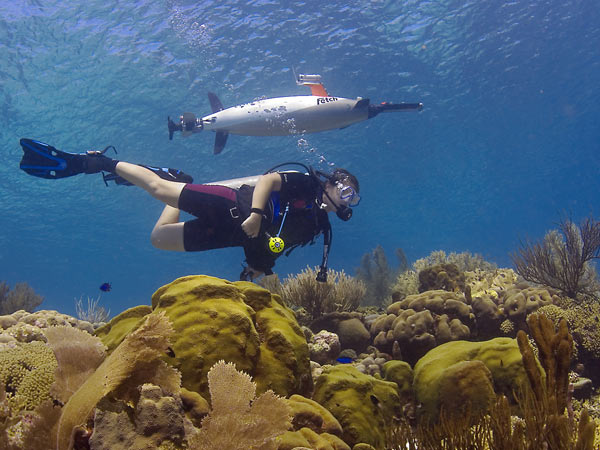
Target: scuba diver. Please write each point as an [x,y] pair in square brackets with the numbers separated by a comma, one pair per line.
[264,214]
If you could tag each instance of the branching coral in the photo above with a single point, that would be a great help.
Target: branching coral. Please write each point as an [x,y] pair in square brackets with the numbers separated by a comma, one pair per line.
[21,297]
[237,419]
[340,293]
[562,259]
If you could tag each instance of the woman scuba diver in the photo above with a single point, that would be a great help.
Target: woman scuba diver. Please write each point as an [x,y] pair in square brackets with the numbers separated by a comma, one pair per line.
[280,210]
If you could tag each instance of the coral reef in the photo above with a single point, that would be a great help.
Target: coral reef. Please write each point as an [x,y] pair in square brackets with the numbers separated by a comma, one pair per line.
[307,413]
[131,364]
[21,297]
[444,276]
[361,403]
[407,282]
[157,421]
[113,332]
[500,356]
[378,277]
[546,398]
[78,355]
[26,374]
[562,259]
[541,397]
[22,326]
[349,327]
[324,347]
[519,302]
[583,319]
[420,322]
[340,293]
[238,420]
[241,322]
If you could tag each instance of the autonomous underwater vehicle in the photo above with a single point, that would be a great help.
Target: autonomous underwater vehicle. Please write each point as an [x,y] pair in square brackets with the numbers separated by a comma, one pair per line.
[284,116]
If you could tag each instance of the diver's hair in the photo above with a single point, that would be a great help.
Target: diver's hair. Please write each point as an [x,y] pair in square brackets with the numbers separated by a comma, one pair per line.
[342,175]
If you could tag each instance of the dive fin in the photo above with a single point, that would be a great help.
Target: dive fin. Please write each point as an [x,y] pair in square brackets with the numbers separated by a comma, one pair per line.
[44,161]
[215,103]
[220,141]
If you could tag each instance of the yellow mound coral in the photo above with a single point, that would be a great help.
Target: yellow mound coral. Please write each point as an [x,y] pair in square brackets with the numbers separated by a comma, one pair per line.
[501,356]
[360,402]
[26,373]
[238,322]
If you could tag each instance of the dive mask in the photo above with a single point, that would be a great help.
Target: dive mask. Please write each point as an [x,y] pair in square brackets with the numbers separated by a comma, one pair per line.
[348,194]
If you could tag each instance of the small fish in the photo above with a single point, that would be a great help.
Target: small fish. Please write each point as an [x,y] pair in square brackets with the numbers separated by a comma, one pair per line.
[170,352]
[344,360]
[105,287]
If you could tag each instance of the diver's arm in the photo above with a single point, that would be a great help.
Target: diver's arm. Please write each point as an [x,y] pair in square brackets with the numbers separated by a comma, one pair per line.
[168,231]
[265,185]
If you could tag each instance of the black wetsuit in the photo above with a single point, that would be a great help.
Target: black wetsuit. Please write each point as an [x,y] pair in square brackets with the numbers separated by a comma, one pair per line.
[220,212]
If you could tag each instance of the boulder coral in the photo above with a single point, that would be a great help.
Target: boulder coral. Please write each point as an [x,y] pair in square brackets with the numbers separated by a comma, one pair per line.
[239,322]
[439,372]
[348,326]
[518,302]
[421,322]
[361,403]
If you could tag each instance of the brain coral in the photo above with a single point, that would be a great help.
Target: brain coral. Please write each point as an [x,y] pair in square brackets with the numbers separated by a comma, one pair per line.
[26,373]
[239,322]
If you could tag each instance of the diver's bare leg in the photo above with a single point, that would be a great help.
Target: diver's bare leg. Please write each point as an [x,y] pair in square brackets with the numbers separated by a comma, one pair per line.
[163,190]
[168,231]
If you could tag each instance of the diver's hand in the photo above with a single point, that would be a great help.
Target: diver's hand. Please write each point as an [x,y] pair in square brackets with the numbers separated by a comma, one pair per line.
[251,225]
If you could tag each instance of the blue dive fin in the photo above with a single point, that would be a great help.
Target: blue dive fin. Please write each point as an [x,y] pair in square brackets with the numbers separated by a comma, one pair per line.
[220,141]
[44,161]
[215,103]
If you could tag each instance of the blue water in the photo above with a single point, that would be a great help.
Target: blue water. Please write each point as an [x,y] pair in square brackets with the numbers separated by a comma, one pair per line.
[508,140]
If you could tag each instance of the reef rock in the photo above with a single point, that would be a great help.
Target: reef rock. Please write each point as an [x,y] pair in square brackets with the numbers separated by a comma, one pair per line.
[238,322]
